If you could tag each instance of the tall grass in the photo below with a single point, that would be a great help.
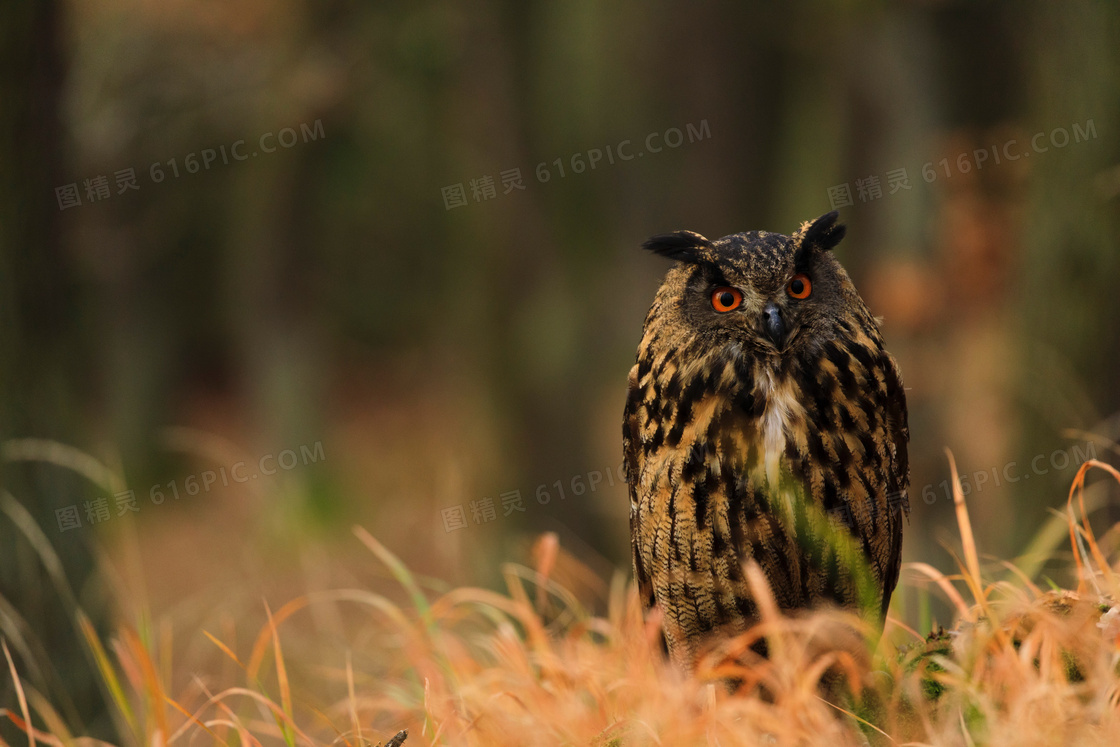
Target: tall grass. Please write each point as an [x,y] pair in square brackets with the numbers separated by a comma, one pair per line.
[533,666]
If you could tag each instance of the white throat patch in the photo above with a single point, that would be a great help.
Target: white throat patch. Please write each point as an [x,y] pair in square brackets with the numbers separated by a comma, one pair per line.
[781,406]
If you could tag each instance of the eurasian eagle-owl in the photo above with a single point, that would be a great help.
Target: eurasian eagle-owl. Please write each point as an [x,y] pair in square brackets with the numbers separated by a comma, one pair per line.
[764,422]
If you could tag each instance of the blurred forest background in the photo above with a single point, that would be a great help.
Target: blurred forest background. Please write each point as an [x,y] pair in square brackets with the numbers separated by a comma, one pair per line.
[370,287]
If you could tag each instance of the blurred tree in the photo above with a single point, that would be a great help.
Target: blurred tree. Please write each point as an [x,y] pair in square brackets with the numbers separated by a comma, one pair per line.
[1069,328]
[44,356]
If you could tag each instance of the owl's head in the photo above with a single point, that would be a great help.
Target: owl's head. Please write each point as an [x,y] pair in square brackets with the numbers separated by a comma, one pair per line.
[767,291]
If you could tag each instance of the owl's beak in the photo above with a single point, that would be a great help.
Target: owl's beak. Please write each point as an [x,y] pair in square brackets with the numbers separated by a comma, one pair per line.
[773,325]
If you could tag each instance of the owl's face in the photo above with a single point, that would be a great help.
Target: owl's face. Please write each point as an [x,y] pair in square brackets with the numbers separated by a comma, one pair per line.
[769,292]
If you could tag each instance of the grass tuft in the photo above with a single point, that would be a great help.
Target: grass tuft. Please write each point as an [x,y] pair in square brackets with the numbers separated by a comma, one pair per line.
[1023,663]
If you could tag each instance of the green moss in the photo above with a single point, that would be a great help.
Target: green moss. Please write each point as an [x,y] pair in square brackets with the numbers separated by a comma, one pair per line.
[937,643]
[1073,670]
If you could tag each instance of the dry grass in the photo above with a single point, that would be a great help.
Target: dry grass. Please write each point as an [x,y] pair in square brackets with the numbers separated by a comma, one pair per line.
[532,666]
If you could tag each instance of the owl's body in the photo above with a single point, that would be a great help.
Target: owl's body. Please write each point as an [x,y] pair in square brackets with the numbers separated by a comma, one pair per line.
[764,422]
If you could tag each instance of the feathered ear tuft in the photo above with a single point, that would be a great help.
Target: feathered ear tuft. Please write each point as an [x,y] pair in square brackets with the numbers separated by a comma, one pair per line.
[683,246]
[824,233]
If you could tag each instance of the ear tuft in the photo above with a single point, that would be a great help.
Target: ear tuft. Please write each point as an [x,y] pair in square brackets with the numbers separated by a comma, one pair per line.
[824,233]
[683,246]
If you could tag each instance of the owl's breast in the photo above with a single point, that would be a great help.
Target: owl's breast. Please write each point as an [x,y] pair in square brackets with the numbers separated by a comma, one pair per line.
[780,411]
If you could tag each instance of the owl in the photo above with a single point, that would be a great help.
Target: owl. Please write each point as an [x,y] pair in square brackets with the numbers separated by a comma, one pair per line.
[764,423]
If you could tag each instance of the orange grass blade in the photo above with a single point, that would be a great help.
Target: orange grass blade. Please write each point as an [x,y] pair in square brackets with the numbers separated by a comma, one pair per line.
[106,669]
[225,649]
[546,586]
[55,725]
[234,721]
[354,722]
[863,721]
[1047,541]
[246,736]
[1076,433]
[545,551]
[399,571]
[326,720]
[281,678]
[896,622]
[1078,486]
[166,647]
[768,611]
[150,679]
[260,648]
[190,717]
[41,736]
[521,609]
[358,596]
[943,582]
[972,576]
[19,694]
[965,524]
[127,665]
[219,700]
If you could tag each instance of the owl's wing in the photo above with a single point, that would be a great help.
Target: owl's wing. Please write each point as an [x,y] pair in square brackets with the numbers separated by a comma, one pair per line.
[631,443]
[897,477]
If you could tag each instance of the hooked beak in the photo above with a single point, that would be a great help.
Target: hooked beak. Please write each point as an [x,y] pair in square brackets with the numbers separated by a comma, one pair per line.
[773,325]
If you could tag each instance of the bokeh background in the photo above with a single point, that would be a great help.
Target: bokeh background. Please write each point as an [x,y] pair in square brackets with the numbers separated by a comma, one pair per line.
[362,247]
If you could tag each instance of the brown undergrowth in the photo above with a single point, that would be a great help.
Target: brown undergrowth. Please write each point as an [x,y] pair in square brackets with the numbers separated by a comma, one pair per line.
[532,666]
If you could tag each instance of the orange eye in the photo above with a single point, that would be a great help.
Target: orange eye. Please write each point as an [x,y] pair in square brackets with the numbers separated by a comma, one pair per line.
[799,286]
[726,299]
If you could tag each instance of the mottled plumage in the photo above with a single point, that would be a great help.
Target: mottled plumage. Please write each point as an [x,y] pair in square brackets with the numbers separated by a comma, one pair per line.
[764,422]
